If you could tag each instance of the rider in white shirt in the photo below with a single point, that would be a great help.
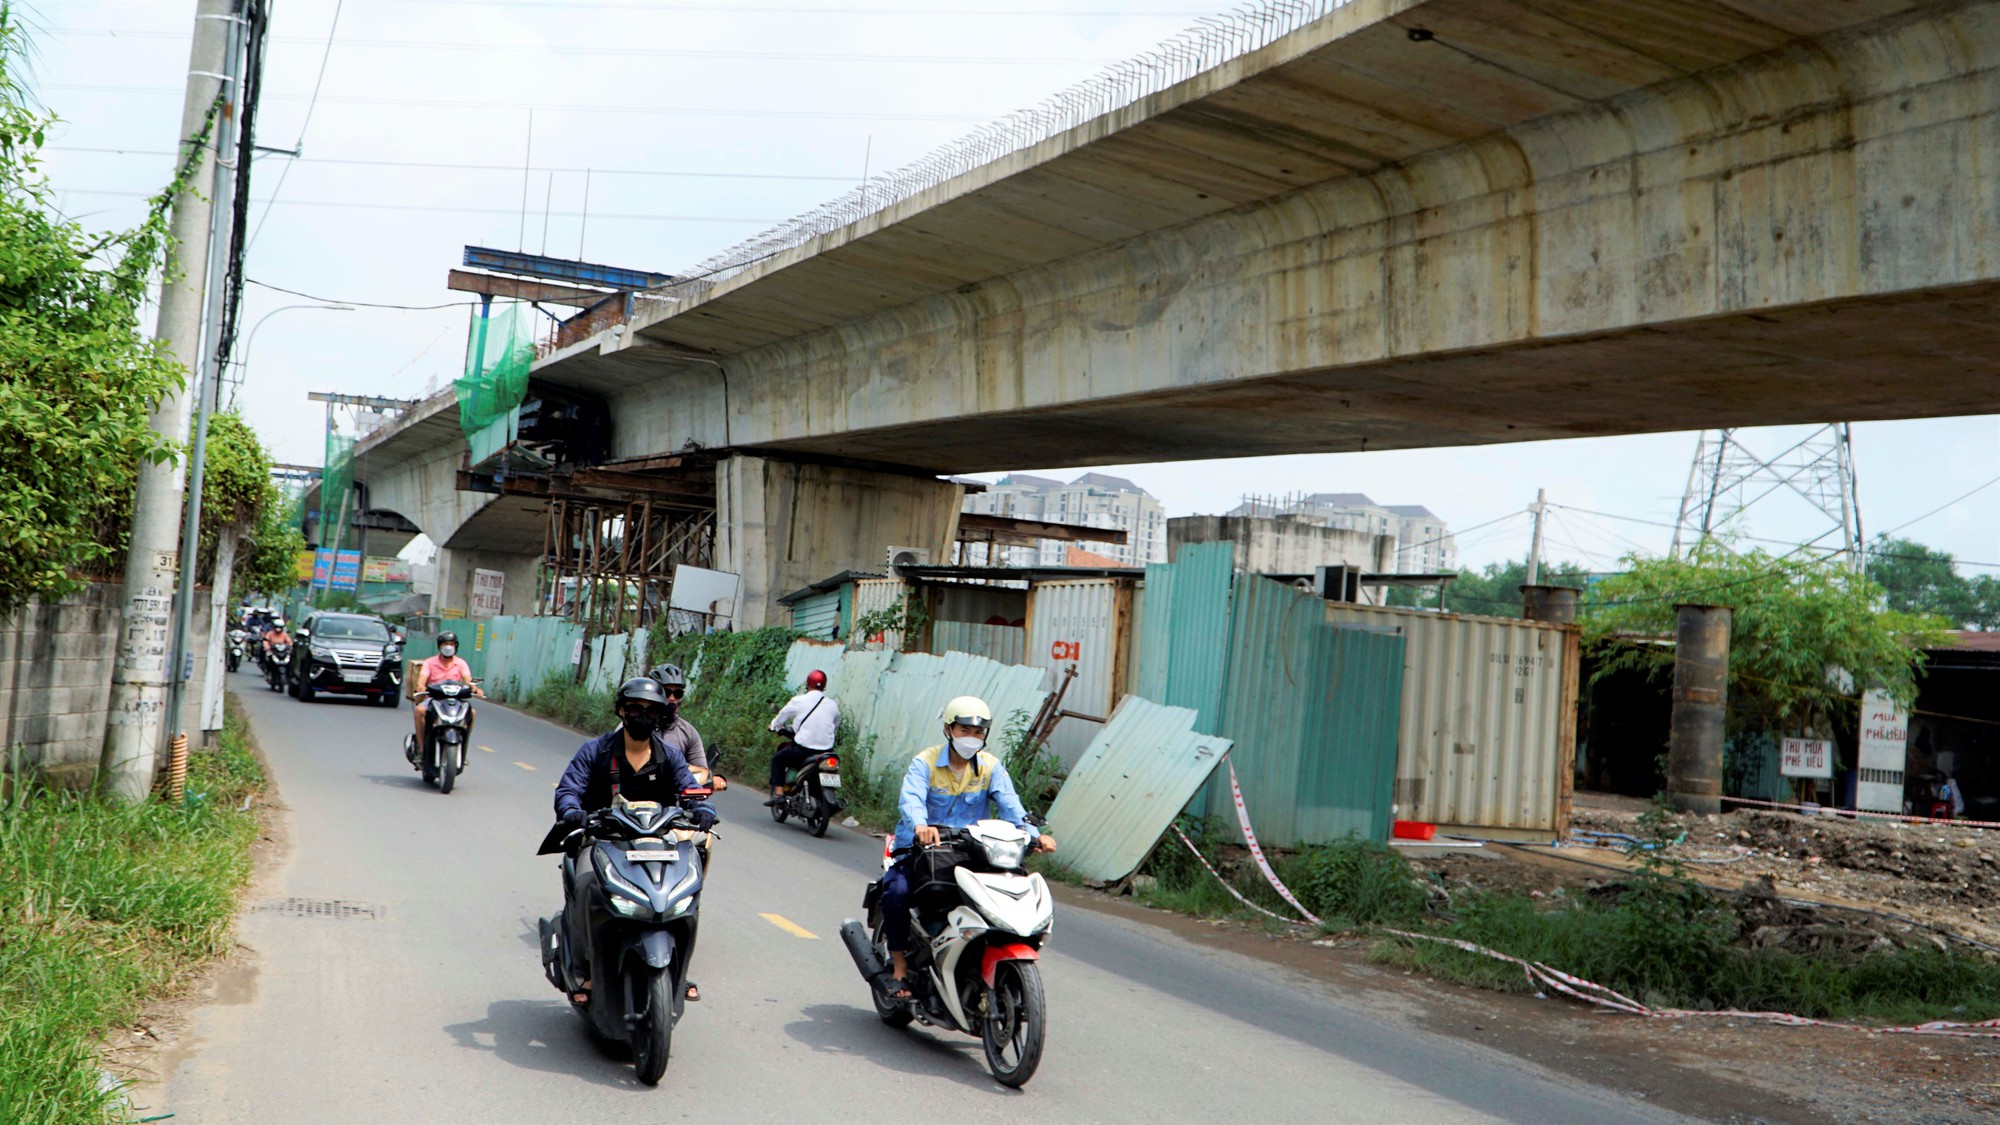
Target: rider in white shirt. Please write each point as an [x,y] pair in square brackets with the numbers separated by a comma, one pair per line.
[811,719]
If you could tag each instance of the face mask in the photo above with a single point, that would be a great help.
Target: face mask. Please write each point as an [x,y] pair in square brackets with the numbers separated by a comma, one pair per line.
[641,725]
[447,651]
[967,747]
[673,709]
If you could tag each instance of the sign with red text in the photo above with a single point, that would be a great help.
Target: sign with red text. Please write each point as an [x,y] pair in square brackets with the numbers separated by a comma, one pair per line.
[1805,757]
[1884,738]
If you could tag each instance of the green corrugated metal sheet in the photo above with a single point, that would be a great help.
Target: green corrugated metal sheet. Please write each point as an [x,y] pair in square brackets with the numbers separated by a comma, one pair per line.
[1153,611]
[818,616]
[1313,712]
[1128,785]
[1196,633]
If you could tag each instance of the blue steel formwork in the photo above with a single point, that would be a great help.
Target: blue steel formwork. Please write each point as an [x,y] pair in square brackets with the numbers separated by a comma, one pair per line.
[1312,709]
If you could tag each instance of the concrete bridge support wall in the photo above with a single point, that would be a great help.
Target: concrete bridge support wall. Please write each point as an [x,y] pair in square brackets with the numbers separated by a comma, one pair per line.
[782,525]
[454,582]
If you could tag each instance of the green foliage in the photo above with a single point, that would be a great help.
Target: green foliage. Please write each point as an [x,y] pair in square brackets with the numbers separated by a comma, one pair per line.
[1355,882]
[1795,621]
[1180,882]
[77,377]
[1921,580]
[267,560]
[110,906]
[905,620]
[736,683]
[1037,773]
[1494,590]
[561,699]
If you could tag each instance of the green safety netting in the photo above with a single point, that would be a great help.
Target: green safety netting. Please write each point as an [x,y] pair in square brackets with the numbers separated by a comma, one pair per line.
[498,352]
[336,490]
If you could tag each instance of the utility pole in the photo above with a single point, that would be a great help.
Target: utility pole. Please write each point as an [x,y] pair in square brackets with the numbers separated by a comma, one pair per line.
[1540,506]
[139,685]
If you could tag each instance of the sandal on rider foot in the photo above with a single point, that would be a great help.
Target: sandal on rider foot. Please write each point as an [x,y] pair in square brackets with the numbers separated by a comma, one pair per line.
[693,992]
[896,989]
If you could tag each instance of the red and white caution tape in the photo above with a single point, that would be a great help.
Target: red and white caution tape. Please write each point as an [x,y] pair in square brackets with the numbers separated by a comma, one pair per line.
[1555,980]
[1257,853]
[1829,810]
[1234,893]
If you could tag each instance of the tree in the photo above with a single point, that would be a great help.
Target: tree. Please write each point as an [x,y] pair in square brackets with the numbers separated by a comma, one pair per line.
[77,376]
[270,565]
[1495,590]
[1919,579]
[1806,635]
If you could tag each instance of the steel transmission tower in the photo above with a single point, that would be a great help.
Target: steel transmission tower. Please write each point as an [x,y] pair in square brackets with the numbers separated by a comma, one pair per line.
[1727,478]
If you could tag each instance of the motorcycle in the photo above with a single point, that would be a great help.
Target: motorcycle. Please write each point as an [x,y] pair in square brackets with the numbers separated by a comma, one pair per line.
[639,924]
[447,722]
[277,665]
[979,920]
[813,793]
[235,654]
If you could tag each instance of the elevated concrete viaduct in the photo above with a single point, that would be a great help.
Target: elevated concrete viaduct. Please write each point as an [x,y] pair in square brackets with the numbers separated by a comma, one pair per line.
[1409,223]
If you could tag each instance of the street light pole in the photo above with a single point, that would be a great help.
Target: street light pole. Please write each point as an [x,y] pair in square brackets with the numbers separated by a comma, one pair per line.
[250,341]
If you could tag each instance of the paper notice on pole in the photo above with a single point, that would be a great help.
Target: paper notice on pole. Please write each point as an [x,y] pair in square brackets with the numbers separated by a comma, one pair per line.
[1805,757]
[1884,745]
[487,586]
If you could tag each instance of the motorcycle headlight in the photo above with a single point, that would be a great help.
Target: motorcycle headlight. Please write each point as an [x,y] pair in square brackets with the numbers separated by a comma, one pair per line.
[627,907]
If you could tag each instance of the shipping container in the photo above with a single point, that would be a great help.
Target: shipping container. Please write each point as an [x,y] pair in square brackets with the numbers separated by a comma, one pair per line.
[1080,623]
[1486,737]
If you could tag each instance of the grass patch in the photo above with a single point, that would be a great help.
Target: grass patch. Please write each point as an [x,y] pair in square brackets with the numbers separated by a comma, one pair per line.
[561,699]
[107,906]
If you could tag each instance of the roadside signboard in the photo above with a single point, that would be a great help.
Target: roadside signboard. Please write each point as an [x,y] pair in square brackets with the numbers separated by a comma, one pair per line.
[346,569]
[1806,757]
[487,586]
[1885,733]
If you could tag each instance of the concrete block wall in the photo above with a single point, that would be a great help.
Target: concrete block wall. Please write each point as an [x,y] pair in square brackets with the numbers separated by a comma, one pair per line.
[56,662]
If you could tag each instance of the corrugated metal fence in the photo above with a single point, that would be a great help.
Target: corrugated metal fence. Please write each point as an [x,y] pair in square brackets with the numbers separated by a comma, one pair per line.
[1004,643]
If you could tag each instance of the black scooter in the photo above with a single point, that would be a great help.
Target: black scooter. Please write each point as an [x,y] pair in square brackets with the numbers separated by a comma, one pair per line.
[640,924]
[235,654]
[277,665]
[447,725]
[813,793]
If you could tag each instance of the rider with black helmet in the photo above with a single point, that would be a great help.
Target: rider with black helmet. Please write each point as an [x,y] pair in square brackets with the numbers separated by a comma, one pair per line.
[446,665]
[635,762]
[677,731]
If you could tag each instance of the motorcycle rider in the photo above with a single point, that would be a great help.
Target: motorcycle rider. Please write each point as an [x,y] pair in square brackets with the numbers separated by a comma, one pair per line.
[811,718]
[274,634]
[636,761]
[677,731]
[946,786]
[445,665]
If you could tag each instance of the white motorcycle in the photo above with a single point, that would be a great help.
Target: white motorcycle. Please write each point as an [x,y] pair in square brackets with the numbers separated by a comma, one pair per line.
[978,923]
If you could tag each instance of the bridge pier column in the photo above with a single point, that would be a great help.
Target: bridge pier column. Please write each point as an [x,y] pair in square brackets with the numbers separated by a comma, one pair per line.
[454,579]
[782,525]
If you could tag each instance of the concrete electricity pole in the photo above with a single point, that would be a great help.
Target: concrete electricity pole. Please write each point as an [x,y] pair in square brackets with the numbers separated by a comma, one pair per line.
[139,684]
[1540,505]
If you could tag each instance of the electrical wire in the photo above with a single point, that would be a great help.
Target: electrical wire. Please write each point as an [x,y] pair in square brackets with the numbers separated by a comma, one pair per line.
[1871,553]
[358,304]
[510,168]
[312,103]
[349,204]
[539,107]
[574,50]
[1942,507]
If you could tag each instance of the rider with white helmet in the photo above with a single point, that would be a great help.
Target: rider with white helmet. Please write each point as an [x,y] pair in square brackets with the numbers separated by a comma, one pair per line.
[946,786]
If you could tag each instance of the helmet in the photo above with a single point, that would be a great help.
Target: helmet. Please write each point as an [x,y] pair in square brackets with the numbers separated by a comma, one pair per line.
[447,638]
[968,711]
[815,680]
[641,689]
[277,623]
[669,675]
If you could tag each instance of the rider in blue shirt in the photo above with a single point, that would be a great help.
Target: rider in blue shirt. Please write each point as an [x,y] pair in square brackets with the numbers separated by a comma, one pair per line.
[946,786]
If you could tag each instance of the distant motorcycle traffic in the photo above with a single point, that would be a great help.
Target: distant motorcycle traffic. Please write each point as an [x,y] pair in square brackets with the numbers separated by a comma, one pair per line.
[235,654]
[447,727]
[276,663]
[981,919]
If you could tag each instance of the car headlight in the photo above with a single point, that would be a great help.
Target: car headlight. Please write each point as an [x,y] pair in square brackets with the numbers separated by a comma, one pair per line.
[321,653]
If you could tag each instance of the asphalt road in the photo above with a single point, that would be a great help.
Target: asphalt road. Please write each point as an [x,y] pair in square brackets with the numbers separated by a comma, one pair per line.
[436,1010]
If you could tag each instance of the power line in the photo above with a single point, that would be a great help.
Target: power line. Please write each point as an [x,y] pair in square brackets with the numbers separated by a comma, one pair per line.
[509,168]
[1871,553]
[359,304]
[312,103]
[572,50]
[1942,507]
[438,209]
[542,107]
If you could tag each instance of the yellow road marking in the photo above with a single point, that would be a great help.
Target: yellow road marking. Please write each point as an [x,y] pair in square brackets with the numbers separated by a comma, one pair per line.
[525,766]
[488,749]
[789,926]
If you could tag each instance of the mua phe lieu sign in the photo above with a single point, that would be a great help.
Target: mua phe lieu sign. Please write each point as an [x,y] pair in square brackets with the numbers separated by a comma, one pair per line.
[1805,757]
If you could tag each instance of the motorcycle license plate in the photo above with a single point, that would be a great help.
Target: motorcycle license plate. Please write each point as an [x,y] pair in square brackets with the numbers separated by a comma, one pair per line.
[670,855]
[357,677]
[829,781]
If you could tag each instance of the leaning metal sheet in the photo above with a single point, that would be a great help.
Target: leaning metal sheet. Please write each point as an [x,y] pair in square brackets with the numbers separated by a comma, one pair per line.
[1133,779]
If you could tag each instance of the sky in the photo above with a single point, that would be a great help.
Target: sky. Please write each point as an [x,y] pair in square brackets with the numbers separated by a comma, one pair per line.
[702,122]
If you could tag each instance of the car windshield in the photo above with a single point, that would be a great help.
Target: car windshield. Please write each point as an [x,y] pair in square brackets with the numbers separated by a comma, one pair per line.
[351,629]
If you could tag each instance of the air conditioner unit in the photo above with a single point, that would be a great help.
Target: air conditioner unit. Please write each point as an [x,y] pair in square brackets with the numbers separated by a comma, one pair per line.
[908,556]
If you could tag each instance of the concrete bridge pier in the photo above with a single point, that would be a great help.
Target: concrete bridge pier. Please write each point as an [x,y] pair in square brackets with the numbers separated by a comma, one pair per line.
[455,573]
[783,525]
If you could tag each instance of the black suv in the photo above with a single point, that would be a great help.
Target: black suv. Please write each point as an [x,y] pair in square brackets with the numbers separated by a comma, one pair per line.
[348,654]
